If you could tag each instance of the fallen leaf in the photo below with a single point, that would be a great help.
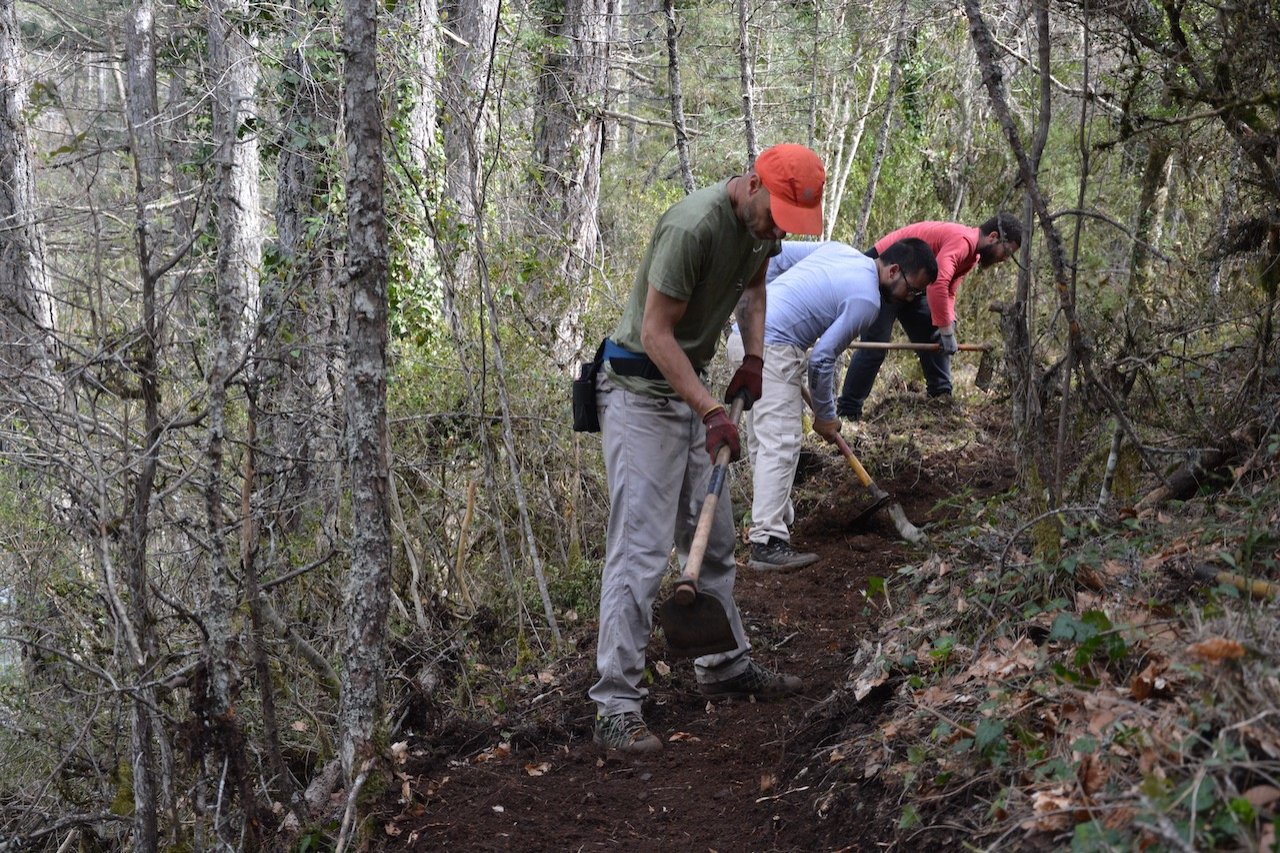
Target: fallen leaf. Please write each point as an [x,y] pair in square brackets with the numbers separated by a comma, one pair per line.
[298,726]
[1216,650]
[1052,809]
[934,696]
[662,668]
[537,769]
[1147,682]
[768,781]
[1100,720]
[684,736]
[502,750]
[1008,658]
[1267,838]
[1092,774]
[400,751]
[392,830]
[1091,578]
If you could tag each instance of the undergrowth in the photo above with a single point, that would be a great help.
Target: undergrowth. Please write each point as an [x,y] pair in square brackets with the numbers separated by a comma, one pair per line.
[1108,699]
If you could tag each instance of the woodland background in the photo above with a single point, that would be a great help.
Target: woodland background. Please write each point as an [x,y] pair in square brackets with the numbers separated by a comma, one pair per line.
[291,293]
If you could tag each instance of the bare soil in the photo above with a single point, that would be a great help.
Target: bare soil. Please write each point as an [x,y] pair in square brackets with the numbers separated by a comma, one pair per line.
[734,775]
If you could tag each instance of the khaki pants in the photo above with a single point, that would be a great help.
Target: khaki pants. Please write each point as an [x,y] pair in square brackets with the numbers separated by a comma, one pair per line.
[774,429]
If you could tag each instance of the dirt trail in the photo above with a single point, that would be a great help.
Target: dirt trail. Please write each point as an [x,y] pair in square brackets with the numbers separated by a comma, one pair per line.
[727,778]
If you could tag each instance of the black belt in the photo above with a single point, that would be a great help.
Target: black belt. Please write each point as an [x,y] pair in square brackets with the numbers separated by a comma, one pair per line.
[627,363]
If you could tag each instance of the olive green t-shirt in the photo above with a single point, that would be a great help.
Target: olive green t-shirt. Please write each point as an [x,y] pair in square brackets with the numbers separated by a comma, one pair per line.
[700,253]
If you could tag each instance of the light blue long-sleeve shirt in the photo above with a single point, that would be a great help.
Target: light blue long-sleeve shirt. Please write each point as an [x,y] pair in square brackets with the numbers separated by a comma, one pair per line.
[824,300]
[793,251]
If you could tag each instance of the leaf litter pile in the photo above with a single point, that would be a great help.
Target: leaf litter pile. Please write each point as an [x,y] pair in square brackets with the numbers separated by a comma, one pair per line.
[1110,684]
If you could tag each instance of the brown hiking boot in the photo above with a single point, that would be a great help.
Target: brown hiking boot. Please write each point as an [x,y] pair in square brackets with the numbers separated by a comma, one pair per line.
[626,733]
[755,681]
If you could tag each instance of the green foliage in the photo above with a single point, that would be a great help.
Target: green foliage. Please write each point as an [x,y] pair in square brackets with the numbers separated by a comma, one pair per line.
[1094,637]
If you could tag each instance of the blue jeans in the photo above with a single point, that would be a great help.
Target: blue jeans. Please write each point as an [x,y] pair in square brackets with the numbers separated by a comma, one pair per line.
[917,322]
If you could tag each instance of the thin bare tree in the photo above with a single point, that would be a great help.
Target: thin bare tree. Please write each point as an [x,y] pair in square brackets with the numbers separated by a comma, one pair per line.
[746,79]
[140,652]
[676,96]
[901,36]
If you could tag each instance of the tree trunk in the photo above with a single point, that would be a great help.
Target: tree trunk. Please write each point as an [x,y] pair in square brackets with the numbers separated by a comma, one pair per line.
[676,97]
[421,20]
[573,96]
[27,319]
[234,65]
[746,80]
[368,580]
[469,28]
[232,59]
[142,111]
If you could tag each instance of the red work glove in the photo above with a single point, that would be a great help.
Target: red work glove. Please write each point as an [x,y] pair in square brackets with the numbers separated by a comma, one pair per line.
[720,430]
[748,378]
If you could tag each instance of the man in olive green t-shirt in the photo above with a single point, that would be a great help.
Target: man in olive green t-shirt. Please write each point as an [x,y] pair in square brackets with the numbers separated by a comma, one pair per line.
[661,427]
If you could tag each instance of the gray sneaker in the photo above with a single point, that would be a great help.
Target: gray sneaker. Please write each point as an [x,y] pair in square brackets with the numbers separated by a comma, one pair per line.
[755,681]
[626,733]
[778,554]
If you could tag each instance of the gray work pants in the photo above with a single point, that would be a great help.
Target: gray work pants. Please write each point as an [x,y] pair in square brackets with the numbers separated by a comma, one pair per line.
[656,461]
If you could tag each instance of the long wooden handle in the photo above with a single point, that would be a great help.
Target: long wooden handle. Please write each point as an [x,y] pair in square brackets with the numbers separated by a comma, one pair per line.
[686,588]
[1253,586]
[917,346]
[863,477]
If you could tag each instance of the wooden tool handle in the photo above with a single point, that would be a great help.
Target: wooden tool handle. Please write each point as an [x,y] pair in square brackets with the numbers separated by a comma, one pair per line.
[686,588]
[919,347]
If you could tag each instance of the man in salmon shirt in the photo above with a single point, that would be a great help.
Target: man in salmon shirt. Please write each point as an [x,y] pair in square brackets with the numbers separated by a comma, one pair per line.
[930,318]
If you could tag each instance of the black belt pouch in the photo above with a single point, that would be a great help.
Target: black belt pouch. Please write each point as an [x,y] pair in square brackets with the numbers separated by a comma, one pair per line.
[586,418]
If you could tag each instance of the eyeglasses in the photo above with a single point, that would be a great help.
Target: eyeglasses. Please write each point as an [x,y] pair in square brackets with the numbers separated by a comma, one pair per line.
[912,292]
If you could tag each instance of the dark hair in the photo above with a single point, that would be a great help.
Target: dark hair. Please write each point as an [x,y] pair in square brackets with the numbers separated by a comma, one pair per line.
[1008,226]
[913,255]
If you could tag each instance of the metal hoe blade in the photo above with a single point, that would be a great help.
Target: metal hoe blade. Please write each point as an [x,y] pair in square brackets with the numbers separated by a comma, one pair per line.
[693,630]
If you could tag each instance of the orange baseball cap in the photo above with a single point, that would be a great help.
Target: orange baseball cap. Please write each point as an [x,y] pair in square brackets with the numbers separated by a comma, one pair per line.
[794,176]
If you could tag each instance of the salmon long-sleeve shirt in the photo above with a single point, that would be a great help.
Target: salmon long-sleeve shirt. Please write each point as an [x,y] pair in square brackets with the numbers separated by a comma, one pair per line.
[956,248]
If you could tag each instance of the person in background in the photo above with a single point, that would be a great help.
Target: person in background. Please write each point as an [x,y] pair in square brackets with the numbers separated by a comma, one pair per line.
[931,317]
[816,308]
[793,251]
[661,427]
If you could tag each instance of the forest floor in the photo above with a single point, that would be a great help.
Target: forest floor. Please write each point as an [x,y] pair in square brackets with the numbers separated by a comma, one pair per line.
[732,773]
[962,693]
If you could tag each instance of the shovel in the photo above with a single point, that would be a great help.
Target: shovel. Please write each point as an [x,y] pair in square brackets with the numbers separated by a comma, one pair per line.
[986,364]
[880,498]
[693,622]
